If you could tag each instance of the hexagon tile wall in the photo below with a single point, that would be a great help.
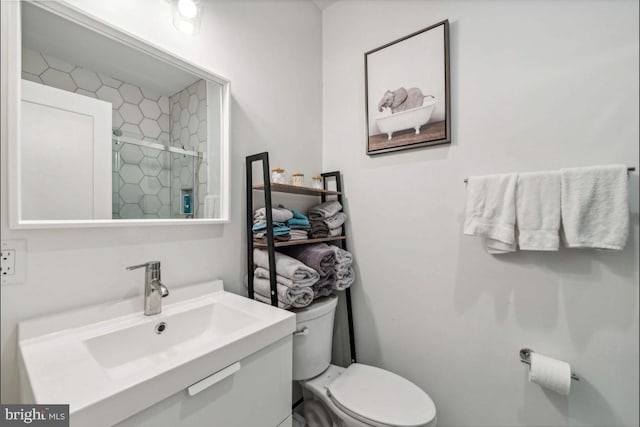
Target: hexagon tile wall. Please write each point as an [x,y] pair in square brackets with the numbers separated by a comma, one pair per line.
[145,181]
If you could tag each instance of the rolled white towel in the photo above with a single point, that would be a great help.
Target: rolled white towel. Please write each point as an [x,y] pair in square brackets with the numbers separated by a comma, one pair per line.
[296,297]
[342,256]
[263,273]
[344,279]
[287,267]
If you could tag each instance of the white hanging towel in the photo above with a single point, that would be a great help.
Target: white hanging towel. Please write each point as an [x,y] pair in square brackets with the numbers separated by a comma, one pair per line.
[490,211]
[538,211]
[595,207]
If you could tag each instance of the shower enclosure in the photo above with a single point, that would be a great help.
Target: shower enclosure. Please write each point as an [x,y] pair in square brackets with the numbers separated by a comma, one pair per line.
[153,179]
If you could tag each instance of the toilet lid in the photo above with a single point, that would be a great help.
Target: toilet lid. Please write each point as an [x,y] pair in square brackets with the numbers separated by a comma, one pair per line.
[374,395]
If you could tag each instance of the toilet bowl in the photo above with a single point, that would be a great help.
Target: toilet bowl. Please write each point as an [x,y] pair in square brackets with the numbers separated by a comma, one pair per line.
[356,396]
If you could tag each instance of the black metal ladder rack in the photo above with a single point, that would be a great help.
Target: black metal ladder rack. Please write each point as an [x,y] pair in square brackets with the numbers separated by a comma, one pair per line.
[267,187]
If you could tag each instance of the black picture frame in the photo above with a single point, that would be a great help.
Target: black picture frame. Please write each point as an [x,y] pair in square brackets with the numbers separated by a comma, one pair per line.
[408,92]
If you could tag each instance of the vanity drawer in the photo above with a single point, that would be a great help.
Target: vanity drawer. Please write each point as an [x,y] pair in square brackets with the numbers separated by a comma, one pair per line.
[256,394]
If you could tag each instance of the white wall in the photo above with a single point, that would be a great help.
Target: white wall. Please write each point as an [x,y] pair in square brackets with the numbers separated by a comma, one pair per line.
[271,52]
[535,85]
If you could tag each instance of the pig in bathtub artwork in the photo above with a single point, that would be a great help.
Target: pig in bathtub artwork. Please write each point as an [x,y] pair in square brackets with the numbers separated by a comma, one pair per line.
[410,109]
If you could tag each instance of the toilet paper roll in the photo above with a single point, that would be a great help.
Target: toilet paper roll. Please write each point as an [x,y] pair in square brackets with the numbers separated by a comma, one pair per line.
[550,373]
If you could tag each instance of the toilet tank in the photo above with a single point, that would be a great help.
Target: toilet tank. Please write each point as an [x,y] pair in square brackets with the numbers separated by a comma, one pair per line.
[313,338]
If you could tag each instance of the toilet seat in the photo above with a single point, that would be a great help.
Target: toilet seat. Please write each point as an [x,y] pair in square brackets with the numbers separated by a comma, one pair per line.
[381,398]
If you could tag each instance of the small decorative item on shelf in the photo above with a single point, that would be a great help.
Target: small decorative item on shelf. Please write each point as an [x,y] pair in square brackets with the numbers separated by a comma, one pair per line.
[316,182]
[277,176]
[297,179]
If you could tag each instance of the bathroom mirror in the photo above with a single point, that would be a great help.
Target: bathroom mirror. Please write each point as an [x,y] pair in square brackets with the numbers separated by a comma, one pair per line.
[106,129]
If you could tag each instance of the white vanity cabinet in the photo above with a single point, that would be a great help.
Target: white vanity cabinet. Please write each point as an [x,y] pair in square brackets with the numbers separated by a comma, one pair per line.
[257,395]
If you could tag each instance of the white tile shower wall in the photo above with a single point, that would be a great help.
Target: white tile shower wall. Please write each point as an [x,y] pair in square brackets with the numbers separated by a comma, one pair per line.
[141,184]
[188,128]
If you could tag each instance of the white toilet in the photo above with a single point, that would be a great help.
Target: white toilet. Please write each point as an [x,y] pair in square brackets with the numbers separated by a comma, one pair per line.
[357,396]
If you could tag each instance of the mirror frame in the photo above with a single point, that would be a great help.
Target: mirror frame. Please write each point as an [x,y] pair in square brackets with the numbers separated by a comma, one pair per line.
[14,77]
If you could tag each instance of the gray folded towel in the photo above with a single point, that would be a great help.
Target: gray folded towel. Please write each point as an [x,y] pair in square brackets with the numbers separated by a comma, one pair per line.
[287,267]
[324,210]
[325,285]
[319,230]
[277,215]
[336,220]
[261,237]
[334,232]
[287,296]
[319,257]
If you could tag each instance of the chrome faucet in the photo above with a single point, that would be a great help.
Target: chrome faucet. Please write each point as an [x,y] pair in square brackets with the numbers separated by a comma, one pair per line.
[154,290]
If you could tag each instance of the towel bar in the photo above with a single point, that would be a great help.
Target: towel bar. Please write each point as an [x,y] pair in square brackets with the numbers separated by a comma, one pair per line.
[525,357]
[631,169]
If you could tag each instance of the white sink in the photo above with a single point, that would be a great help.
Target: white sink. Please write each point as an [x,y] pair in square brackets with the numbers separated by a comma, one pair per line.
[108,362]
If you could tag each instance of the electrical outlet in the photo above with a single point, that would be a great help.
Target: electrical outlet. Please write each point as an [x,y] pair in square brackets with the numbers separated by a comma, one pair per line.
[8,262]
[13,261]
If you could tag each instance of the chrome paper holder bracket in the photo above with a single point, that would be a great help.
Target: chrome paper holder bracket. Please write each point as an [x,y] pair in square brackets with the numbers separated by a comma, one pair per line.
[525,357]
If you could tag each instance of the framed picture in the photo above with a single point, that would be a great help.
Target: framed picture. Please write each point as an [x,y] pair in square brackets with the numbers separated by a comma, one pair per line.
[407,91]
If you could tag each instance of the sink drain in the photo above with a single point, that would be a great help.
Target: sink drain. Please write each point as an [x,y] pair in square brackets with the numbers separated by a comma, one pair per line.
[161,327]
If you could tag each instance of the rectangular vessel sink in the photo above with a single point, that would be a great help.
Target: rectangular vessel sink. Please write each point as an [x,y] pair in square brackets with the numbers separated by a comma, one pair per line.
[110,361]
[171,334]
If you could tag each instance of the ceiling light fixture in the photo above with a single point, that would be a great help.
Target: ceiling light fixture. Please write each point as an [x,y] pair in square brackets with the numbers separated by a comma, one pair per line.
[187,15]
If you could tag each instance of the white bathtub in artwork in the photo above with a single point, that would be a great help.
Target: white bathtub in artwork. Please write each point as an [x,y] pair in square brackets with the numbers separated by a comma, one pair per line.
[413,118]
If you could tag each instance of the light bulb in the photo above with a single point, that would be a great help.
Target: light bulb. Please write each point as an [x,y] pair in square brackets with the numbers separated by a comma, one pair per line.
[184,26]
[187,8]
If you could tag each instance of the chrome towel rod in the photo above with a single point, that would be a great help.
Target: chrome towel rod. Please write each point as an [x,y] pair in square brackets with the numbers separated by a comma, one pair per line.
[631,169]
[525,357]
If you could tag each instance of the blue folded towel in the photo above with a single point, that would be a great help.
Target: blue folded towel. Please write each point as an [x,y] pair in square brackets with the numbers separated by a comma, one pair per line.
[279,228]
[298,215]
[299,221]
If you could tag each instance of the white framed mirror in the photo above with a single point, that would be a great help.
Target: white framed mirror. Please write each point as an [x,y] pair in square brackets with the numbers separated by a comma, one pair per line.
[106,129]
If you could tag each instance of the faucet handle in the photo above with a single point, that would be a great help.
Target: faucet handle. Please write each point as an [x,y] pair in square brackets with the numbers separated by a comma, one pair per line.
[150,265]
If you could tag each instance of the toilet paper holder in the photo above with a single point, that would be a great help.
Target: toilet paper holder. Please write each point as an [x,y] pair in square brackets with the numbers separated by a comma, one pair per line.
[525,357]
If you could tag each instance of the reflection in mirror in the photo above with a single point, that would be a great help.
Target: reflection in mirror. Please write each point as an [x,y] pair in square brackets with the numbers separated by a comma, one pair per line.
[110,132]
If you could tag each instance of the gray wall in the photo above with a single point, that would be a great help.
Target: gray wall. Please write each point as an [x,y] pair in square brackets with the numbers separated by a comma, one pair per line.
[535,85]
[274,64]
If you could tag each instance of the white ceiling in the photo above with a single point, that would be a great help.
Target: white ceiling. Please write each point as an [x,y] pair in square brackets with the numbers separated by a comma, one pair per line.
[48,33]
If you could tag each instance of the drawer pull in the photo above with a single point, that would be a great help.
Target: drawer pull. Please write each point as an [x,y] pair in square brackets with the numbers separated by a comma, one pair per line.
[213,379]
[303,331]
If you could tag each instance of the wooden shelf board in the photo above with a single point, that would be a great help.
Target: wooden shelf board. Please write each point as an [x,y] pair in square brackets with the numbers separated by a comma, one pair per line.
[300,242]
[294,189]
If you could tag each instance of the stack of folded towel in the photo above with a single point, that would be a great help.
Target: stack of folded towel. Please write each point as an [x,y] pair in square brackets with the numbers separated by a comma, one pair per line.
[344,270]
[321,258]
[299,225]
[279,217]
[326,219]
[294,279]
[526,210]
